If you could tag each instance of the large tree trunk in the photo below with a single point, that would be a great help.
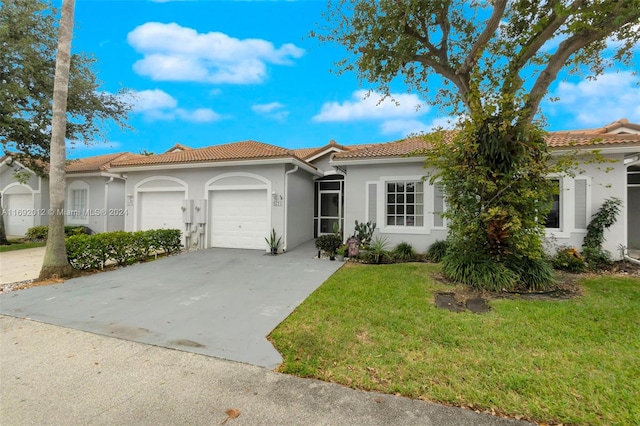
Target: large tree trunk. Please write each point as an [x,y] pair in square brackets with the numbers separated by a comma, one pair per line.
[3,232]
[55,258]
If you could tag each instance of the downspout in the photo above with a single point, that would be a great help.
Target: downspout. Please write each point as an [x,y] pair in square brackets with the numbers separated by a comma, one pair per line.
[286,205]
[106,204]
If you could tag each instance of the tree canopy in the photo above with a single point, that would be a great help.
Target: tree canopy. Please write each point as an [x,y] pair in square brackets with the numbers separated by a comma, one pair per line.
[491,55]
[493,63]
[28,43]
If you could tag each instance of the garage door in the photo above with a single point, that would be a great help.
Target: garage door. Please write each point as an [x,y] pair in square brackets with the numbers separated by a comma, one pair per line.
[239,219]
[161,210]
[20,213]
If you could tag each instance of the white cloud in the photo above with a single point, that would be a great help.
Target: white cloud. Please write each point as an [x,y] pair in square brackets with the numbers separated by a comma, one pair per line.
[598,102]
[408,127]
[157,104]
[274,110]
[175,53]
[363,107]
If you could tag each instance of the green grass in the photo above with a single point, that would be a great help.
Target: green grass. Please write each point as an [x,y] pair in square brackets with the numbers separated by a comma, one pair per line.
[376,327]
[21,245]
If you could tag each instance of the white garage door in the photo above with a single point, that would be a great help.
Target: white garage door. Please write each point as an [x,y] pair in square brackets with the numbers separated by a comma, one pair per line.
[239,219]
[161,210]
[20,213]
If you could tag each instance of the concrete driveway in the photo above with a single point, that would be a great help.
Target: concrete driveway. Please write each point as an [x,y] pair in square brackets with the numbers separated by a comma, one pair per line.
[217,302]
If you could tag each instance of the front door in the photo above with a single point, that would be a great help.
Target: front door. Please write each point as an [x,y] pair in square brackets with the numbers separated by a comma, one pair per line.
[329,205]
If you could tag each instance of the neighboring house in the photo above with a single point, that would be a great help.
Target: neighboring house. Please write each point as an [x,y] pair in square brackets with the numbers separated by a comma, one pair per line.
[95,197]
[233,195]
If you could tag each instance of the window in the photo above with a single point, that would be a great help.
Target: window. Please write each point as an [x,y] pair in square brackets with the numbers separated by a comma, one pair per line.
[405,203]
[553,219]
[78,202]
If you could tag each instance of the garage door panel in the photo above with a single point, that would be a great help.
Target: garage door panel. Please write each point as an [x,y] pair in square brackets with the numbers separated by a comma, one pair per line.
[18,221]
[161,210]
[239,219]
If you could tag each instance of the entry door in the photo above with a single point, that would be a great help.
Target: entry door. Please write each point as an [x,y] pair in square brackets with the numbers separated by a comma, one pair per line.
[330,210]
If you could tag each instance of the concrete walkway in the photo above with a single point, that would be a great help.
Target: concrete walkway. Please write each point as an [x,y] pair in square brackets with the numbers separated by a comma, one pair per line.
[52,375]
[21,265]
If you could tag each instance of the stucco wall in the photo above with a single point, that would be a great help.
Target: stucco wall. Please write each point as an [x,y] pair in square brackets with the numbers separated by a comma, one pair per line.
[37,187]
[195,181]
[299,205]
[95,203]
[358,200]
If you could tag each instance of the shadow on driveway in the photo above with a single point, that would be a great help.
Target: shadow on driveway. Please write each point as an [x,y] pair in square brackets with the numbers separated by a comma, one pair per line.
[217,302]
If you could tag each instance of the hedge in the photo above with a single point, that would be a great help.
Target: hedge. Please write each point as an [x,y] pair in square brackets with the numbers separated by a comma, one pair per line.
[40,233]
[123,248]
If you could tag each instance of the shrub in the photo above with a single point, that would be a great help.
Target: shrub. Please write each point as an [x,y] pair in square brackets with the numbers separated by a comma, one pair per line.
[40,233]
[596,257]
[123,248]
[377,251]
[404,252]
[477,270]
[534,274]
[568,259]
[437,251]
[329,243]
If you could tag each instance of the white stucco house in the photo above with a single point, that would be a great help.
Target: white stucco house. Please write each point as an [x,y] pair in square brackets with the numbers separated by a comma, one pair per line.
[233,195]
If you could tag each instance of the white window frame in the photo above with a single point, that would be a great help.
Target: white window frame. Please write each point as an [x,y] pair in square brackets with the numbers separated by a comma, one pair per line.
[76,219]
[428,194]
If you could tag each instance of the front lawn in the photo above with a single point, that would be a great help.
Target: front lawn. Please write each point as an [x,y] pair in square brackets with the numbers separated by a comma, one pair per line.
[21,245]
[377,328]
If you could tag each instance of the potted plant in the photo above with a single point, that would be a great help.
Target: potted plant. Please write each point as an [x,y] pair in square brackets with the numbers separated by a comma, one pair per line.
[329,244]
[274,242]
[342,252]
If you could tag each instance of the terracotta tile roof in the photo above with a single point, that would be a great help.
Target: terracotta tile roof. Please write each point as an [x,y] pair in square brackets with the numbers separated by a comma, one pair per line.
[306,153]
[576,139]
[247,150]
[97,163]
[623,122]
[179,147]
[390,149]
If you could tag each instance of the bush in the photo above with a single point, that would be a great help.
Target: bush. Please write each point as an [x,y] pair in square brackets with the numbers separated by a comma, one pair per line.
[534,274]
[404,252]
[437,251]
[377,251]
[568,259]
[597,258]
[329,243]
[123,248]
[477,270]
[40,233]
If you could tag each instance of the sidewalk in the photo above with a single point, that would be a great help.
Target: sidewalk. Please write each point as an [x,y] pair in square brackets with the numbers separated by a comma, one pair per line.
[21,265]
[55,375]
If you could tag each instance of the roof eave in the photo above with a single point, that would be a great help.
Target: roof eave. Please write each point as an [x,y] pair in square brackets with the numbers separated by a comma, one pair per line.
[376,160]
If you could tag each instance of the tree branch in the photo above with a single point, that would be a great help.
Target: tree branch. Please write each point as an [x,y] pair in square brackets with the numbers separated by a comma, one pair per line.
[481,42]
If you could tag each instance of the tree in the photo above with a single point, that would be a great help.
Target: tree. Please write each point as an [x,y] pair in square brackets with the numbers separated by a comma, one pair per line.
[55,256]
[493,62]
[28,42]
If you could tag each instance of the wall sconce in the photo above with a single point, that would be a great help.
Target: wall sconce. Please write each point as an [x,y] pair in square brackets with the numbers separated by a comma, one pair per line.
[129,199]
[276,198]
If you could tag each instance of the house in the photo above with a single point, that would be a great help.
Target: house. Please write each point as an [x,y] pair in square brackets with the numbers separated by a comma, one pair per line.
[94,195]
[233,195]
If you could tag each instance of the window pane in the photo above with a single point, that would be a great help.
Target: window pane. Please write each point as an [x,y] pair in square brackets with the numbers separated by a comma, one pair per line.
[553,219]
[391,209]
[410,221]
[400,187]
[391,187]
[391,198]
[399,209]
[399,221]
[329,185]
[411,198]
[410,209]
[411,186]
[391,220]
[419,221]
[399,198]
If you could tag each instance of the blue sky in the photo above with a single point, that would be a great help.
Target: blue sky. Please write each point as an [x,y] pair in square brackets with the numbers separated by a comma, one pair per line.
[213,72]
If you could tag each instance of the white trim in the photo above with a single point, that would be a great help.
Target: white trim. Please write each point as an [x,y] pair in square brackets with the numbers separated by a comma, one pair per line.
[307,167]
[323,153]
[427,194]
[209,186]
[94,174]
[629,149]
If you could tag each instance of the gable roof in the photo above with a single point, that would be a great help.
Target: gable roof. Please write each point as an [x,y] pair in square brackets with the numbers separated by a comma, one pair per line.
[179,147]
[97,163]
[617,127]
[247,150]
